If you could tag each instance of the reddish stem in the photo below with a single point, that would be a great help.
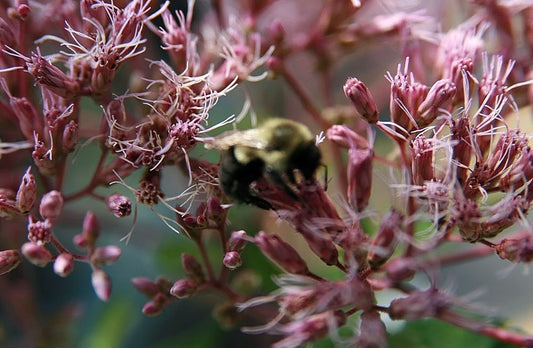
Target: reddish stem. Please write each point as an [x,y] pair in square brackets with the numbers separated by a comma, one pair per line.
[497,333]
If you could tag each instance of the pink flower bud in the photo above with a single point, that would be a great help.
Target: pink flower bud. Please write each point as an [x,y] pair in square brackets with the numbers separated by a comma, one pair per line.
[275,65]
[23,11]
[101,284]
[347,138]
[9,260]
[80,241]
[51,205]
[152,308]
[41,157]
[439,96]
[236,241]
[119,205]
[183,288]
[189,221]
[359,173]
[385,241]
[8,207]
[29,119]
[361,99]
[406,95]
[462,148]
[103,256]
[27,192]
[422,150]
[64,264]
[516,250]
[52,77]
[281,253]
[69,138]
[36,254]
[310,328]
[400,268]
[232,260]
[418,305]
[91,228]
[215,212]
[146,286]
[155,306]
[276,31]
[192,267]
[372,332]
[39,232]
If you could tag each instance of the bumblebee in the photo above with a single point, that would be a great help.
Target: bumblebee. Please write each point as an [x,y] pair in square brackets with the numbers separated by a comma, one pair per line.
[273,151]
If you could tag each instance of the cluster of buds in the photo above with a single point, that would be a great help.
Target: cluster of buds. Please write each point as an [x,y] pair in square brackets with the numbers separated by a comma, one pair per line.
[461,171]
[209,215]
[157,291]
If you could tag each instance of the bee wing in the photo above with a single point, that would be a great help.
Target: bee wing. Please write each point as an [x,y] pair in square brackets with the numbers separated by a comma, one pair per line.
[250,138]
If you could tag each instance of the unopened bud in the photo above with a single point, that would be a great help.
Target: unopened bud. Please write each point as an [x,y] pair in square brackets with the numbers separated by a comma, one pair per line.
[23,11]
[361,99]
[29,119]
[9,260]
[281,253]
[400,268]
[422,150]
[41,157]
[69,138]
[183,288]
[27,192]
[276,31]
[156,305]
[215,212]
[36,254]
[236,241]
[80,241]
[385,241]
[439,96]
[516,250]
[275,65]
[106,255]
[359,172]
[232,260]
[192,267]
[91,228]
[101,284]
[418,305]
[64,264]
[372,332]
[8,207]
[119,205]
[146,286]
[51,205]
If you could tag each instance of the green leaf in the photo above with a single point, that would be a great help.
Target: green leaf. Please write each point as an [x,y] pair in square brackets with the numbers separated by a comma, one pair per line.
[111,326]
[433,333]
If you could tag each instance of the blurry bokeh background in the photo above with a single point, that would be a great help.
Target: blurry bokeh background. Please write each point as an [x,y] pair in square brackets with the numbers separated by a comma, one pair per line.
[64,312]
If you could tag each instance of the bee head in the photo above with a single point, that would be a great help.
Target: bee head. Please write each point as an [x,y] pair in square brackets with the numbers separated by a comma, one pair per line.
[306,158]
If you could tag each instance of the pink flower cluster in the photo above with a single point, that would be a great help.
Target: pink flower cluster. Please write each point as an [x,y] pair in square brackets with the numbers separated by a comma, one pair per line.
[460,164]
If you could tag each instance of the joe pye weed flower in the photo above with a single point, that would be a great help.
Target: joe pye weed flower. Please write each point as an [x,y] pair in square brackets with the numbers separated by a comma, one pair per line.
[449,94]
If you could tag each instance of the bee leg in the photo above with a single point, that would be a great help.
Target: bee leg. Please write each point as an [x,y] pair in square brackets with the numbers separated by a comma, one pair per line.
[277,179]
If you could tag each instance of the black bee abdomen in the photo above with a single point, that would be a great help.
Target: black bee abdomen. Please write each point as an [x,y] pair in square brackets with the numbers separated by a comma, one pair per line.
[236,177]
